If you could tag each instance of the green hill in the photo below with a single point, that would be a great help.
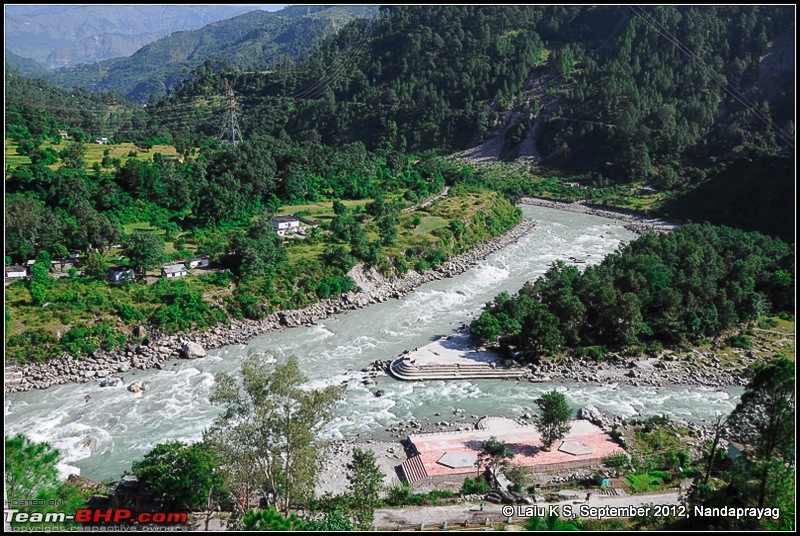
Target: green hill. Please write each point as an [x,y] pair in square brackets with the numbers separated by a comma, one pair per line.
[26,66]
[62,36]
[254,40]
[754,194]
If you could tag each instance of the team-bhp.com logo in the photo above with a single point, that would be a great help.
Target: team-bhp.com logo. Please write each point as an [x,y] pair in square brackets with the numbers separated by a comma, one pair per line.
[85,515]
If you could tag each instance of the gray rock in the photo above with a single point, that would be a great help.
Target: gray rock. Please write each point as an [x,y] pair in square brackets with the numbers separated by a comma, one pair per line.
[192,350]
[111,381]
[591,413]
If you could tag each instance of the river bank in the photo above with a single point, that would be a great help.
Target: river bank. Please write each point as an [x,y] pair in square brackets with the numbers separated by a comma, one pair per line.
[701,367]
[153,349]
[634,221]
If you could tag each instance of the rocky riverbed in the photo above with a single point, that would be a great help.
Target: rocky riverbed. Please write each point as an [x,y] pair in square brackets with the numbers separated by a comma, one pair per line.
[152,349]
[697,367]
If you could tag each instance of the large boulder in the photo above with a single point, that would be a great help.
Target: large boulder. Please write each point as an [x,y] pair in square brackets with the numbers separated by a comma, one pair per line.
[138,387]
[592,414]
[192,350]
[111,381]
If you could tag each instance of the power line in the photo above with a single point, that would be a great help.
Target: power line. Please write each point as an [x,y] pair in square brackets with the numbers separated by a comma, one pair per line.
[714,75]
[334,71]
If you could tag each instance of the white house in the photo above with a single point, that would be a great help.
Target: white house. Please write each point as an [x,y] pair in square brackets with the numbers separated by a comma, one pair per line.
[285,224]
[173,270]
[101,141]
[119,273]
[199,262]
[16,272]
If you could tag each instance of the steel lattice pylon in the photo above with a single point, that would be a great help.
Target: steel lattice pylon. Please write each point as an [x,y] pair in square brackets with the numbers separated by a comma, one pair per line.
[230,129]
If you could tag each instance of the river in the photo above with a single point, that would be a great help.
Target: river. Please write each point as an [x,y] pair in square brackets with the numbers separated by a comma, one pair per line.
[176,406]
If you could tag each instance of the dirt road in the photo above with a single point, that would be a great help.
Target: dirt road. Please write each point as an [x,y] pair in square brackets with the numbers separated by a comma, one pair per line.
[458,513]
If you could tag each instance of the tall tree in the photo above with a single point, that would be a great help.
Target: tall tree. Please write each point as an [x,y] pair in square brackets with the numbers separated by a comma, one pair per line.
[764,419]
[273,420]
[183,477]
[554,417]
[30,467]
[145,250]
[365,483]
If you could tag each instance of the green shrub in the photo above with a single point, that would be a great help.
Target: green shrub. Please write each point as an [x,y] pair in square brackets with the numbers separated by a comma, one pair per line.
[129,313]
[739,341]
[768,323]
[642,482]
[475,485]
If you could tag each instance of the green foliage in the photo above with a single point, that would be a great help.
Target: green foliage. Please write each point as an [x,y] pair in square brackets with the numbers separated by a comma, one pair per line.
[764,420]
[551,522]
[73,155]
[270,520]
[30,467]
[145,251]
[365,484]
[477,485]
[268,431]
[183,309]
[83,340]
[644,482]
[554,417]
[495,456]
[258,250]
[31,481]
[32,345]
[180,476]
[333,521]
[661,288]
[739,341]
[403,495]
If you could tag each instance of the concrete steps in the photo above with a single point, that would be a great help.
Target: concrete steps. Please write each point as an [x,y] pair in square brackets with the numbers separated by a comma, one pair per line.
[414,469]
[402,370]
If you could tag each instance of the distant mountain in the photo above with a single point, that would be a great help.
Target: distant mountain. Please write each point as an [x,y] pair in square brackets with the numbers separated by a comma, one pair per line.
[36,109]
[254,40]
[62,36]
[26,66]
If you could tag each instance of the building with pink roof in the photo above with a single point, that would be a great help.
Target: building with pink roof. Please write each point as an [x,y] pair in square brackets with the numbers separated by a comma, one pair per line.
[452,456]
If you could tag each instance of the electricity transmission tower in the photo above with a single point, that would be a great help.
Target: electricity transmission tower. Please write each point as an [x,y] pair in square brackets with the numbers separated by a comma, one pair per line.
[230,128]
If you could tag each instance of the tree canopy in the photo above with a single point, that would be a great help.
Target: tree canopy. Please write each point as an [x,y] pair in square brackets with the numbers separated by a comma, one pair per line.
[554,417]
[267,435]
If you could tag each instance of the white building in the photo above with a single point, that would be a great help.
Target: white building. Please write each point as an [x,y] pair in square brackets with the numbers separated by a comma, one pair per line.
[199,262]
[173,270]
[16,272]
[284,225]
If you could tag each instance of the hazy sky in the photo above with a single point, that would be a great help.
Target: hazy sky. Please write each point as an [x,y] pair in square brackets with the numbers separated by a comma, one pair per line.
[266,7]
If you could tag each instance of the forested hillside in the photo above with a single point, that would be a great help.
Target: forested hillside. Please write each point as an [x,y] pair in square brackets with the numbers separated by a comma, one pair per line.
[26,66]
[36,110]
[610,95]
[623,93]
[254,40]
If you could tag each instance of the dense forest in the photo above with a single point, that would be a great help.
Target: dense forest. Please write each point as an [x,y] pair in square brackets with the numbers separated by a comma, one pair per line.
[625,94]
[660,290]
[654,99]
